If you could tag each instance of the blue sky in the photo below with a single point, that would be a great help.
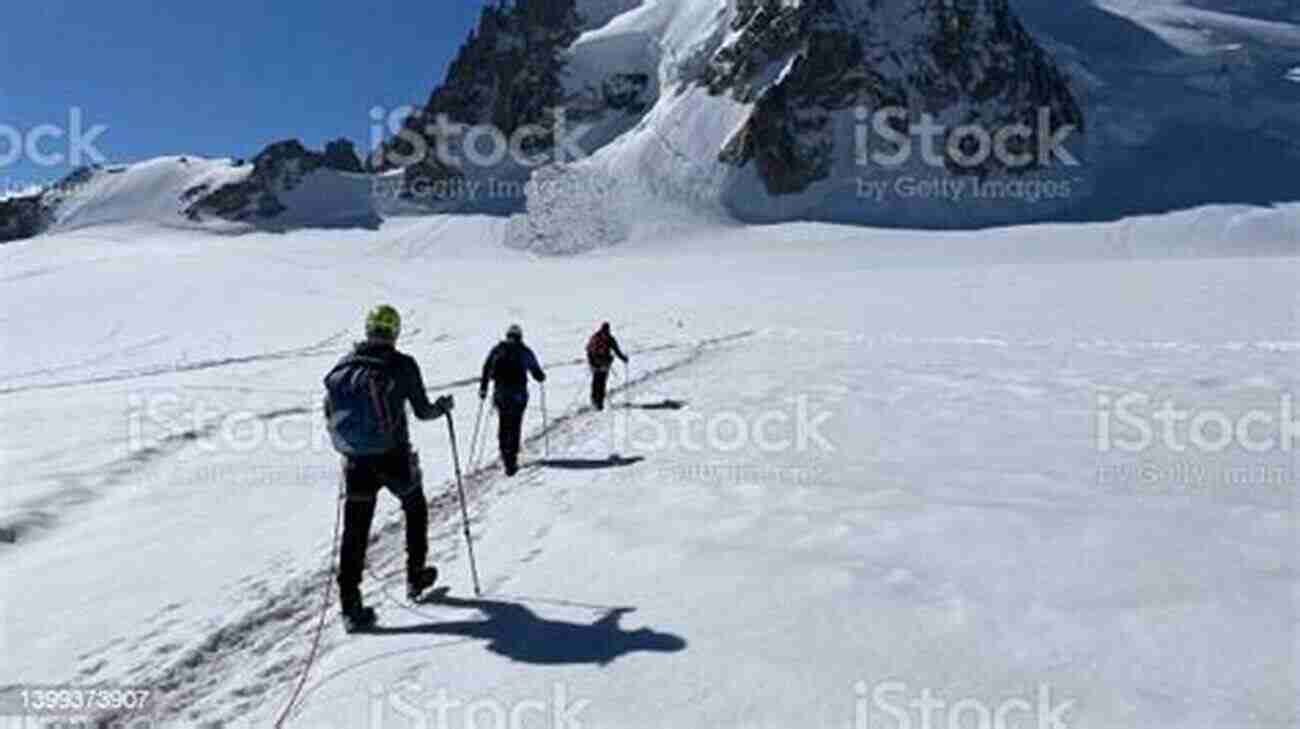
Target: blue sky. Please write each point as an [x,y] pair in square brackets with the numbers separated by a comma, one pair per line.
[215,79]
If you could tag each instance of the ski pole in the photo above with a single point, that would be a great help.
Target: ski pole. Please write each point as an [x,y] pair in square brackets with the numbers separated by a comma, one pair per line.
[464,512]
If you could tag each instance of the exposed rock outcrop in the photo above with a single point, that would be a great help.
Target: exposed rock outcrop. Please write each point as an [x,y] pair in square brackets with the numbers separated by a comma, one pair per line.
[23,217]
[278,169]
[510,75]
[801,61]
[27,216]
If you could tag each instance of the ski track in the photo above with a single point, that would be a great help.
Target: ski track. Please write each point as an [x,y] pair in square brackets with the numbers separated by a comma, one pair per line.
[90,361]
[325,347]
[268,642]
[43,513]
[318,349]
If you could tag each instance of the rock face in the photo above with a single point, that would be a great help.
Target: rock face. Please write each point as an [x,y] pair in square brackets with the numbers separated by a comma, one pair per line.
[801,61]
[278,169]
[506,74]
[510,74]
[23,217]
[341,155]
[752,108]
[807,75]
[28,216]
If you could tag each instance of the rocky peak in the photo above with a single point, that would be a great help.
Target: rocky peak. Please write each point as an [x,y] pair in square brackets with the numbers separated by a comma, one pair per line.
[800,61]
[341,155]
[279,168]
[290,156]
[511,73]
[26,216]
[507,74]
[23,217]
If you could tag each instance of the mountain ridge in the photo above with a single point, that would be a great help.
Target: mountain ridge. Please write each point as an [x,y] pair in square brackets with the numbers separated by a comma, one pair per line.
[763,111]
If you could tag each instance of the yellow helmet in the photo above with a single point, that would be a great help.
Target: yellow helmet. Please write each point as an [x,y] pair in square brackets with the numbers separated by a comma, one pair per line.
[383,322]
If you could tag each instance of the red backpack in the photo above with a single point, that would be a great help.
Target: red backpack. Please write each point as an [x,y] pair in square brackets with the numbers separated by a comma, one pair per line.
[598,349]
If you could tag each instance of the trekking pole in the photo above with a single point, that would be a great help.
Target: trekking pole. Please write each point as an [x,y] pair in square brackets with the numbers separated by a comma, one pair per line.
[464,512]
[473,442]
[546,429]
[487,418]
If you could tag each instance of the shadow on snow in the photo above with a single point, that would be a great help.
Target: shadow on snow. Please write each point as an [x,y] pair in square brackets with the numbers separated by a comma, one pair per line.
[516,632]
[588,464]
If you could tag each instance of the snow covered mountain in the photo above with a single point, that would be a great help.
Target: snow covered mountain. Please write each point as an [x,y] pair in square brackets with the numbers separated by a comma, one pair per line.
[765,111]
[285,186]
[899,113]
[754,107]
[1189,102]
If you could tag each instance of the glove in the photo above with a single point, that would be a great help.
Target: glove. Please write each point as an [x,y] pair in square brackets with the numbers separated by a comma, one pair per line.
[482,393]
[445,403]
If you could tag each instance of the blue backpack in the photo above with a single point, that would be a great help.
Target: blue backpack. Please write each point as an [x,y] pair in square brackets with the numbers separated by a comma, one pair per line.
[358,406]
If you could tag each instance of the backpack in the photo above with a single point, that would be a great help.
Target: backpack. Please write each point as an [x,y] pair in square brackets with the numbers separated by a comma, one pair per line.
[508,369]
[358,405]
[598,349]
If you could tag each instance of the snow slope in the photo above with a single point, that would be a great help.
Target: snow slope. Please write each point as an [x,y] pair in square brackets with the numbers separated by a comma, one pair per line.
[159,192]
[952,526]
[149,192]
[1188,102]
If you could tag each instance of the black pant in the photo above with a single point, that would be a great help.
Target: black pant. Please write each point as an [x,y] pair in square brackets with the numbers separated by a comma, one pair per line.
[364,476]
[510,413]
[599,384]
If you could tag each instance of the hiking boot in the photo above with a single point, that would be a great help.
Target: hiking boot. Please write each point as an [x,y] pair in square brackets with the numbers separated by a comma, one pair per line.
[419,581]
[357,618]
